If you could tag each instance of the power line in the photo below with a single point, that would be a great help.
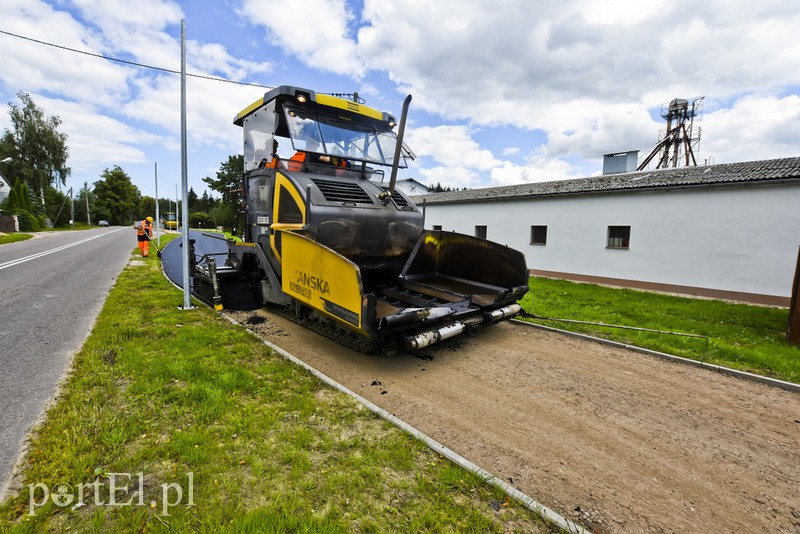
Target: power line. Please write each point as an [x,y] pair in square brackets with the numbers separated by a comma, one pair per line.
[109,58]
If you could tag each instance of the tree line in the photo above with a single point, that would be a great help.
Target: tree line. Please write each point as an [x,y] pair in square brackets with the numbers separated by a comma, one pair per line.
[33,159]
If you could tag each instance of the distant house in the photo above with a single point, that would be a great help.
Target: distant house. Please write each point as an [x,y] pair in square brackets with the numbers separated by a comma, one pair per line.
[725,231]
[5,187]
[410,186]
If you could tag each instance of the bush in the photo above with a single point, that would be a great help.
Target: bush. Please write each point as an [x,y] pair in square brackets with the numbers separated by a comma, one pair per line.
[28,222]
[200,219]
[225,215]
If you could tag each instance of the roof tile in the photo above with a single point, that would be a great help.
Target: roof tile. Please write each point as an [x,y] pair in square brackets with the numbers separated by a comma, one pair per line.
[711,175]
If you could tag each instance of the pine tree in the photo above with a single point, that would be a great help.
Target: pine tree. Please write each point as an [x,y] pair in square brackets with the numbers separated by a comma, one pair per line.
[19,203]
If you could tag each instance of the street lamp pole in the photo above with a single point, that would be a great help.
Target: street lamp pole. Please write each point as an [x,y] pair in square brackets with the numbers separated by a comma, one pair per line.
[187,282]
[158,214]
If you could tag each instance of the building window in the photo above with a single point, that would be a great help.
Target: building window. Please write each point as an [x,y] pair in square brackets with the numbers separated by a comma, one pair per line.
[437,227]
[619,236]
[538,235]
[480,231]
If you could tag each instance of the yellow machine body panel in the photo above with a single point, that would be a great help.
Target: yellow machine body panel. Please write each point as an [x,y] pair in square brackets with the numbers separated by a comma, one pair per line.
[349,105]
[322,278]
[289,211]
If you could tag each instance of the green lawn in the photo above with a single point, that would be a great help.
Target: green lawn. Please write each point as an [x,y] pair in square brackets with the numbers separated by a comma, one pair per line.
[13,238]
[199,427]
[750,338]
[17,236]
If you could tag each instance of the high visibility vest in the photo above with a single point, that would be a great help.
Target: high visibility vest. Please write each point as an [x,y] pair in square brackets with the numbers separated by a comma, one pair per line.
[296,162]
[275,163]
[144,226]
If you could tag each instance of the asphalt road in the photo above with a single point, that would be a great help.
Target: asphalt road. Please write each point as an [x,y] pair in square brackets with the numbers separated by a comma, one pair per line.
[52,289]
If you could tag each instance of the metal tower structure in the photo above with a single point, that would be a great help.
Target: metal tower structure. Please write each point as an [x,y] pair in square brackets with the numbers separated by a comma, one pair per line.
[681,138]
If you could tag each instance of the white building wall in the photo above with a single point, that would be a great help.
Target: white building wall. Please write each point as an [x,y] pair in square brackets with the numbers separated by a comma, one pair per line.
[742,239]
[5,188]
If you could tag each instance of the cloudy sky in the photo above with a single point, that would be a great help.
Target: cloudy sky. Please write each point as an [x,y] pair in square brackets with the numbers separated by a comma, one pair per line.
[504,91]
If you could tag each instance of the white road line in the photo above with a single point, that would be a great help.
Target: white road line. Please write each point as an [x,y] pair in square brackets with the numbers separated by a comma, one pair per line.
[12,263]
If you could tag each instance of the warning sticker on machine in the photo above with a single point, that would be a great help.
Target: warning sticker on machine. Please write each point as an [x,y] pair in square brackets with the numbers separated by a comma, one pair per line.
[321,278]
[297,288]
[340,312]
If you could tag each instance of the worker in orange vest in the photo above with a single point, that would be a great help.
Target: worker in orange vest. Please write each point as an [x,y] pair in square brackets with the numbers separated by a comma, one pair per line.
[300,157]
[296,161]
[275,163]
[144,231]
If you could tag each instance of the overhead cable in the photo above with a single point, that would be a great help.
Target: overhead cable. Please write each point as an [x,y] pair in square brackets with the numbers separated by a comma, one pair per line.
[125,61]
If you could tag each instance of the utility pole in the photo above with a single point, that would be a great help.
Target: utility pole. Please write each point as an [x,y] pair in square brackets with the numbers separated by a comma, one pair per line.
[71,208]
[177,208]
[69,194]
[88,217]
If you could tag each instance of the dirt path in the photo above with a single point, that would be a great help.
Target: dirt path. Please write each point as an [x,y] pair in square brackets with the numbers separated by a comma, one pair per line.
[617,440]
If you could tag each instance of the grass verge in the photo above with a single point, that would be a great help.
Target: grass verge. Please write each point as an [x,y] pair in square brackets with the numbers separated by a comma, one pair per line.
[176,421]
[13,238]
[740,336]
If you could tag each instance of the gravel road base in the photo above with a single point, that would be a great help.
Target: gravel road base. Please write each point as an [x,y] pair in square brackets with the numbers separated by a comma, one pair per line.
[613,439]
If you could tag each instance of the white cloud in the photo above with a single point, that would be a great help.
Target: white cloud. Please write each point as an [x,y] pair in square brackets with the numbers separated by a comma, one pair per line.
[462,162]
[755,127]
[127,15]
[32,67]
[505,61]
[99,101]
[450,176]
[621,12]
[451,145]
[591,132]
[539,168]
[215,58]
[96,140]
[136,29]
[316,31]
[583,72]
